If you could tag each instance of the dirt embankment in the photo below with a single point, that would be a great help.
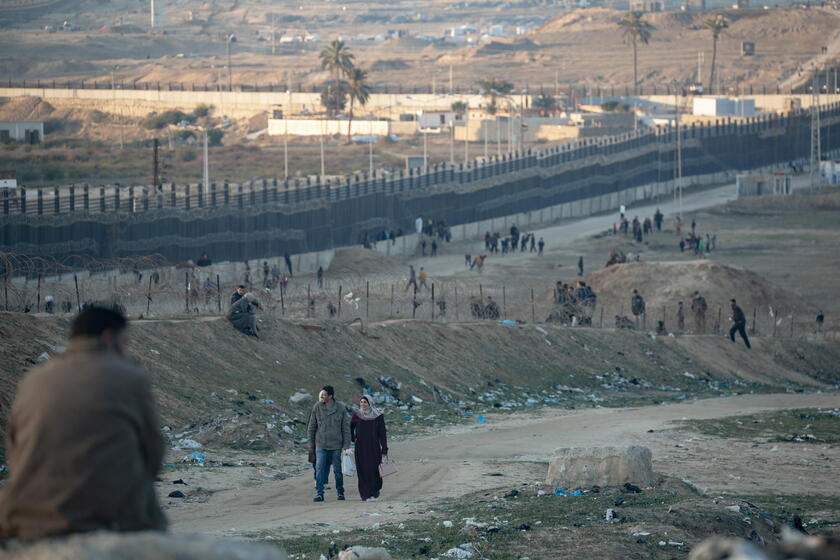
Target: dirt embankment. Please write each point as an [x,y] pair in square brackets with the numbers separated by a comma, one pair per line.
[227,389]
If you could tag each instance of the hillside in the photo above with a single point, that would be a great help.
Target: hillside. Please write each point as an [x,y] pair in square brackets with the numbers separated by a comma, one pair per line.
[237,395]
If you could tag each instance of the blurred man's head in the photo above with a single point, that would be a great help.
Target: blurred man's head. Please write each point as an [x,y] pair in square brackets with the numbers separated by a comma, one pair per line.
[240,289]
[101,323]
[327,394]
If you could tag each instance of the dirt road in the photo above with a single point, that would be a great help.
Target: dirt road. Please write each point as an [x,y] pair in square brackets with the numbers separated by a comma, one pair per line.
[511,450]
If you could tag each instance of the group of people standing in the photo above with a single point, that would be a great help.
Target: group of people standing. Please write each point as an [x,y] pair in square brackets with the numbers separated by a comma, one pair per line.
[495,243]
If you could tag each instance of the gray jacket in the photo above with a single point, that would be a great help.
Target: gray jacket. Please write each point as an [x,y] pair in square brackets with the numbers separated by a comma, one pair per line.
[329,426]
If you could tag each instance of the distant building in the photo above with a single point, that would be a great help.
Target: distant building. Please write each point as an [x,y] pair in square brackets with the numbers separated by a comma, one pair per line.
[696,5]
[724,107]
[761,185]
[647,5]
[30,132]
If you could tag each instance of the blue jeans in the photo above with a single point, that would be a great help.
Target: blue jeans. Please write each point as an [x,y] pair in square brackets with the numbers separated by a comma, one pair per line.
[323,459]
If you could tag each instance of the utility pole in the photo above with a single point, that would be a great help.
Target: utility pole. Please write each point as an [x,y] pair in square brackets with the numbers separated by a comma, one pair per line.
[425,151]
[155,176]
[152,15]
[678,160]
[230,68]
[815,135]
[273,36]
[451,82]
[206,163]
[285,147]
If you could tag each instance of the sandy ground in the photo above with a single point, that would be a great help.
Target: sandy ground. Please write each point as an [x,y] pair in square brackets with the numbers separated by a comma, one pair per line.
[461,460]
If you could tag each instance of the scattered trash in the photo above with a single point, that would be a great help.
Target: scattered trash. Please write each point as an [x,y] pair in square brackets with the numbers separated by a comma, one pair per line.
[689,375]
[287,429]
[4,468]
[448,524]
[524,527]
[802,438]
[189,444]
[268,401]
[480,418]
[180,481]
[43,357]
[609,515]
[618,501]
[641,534]
[542,330]
[512,494]
[670,543]
[736,509]
[153,351]
[564,492]
[416,399]
[300,397]
[176,494]
[632,488]
[196,457]
[508,322]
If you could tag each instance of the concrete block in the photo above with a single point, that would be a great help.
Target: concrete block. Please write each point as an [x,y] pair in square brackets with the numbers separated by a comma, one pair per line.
[605,466]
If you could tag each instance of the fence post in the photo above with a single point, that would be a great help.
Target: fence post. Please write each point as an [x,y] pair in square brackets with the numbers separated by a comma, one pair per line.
[504,303]
[367,299]
[481,293]
[78,299]
[282,301]
[533,311]
[187,291]
[775,322]
[339,300]
[791,326]
[38,297]
[753,329]
[149,295]
[602,317]
[456,304]
[308,299]
[391,314]
[433,301]
[414,302]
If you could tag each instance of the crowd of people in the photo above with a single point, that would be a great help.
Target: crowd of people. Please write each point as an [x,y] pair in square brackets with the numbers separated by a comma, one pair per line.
[516,241]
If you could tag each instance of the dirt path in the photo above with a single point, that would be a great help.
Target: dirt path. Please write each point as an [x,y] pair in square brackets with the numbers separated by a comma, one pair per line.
[511,450]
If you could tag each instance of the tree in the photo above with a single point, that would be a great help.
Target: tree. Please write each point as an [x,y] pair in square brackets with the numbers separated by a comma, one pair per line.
[494,87]
[359,91]
[337,58]
[717,25]
[545,103]
[635,30]
[334,96]
[459,108]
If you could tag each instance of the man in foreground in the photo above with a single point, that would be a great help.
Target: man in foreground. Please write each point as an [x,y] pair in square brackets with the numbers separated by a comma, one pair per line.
[84,443]
[329,435]
[739,323]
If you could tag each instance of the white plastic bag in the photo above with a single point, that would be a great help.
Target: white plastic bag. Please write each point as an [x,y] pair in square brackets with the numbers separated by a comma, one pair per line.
[348,465]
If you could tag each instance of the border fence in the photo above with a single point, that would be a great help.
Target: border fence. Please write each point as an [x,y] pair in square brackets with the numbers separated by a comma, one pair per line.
[271,217]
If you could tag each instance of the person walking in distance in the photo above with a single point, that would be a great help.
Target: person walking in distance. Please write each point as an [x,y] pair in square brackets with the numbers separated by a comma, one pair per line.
[329,435]
[541,246]
[367,431]
[739,323]
[422,279]
[320,276]
[288,261]
[698,308]
[84,444]
[412,278]
[680,317]
[637,306]
[580,266]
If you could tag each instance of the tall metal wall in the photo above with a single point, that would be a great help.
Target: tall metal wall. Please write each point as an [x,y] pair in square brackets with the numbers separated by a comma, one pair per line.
[236,223]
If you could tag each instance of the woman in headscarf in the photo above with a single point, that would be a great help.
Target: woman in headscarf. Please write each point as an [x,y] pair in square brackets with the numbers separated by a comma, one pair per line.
[367,430]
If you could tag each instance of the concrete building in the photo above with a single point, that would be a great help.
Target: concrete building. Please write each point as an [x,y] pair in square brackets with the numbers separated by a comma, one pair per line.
[30,132]
[723,107]
[647,5]
[762,185]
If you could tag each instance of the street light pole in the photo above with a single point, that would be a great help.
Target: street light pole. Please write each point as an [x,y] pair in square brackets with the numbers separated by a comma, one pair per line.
[230,70]
[678,171]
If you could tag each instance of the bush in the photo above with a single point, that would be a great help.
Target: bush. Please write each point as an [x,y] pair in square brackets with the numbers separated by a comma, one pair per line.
[201,111]
[156,122]
[185,135]
[188,155]
[214,137]
[615,106]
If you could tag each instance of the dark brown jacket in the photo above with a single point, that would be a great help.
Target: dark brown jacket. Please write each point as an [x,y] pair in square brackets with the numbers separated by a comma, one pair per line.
[84,447]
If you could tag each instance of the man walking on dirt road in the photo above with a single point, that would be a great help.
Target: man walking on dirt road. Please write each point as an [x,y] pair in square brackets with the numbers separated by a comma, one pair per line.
[698,307]
[739,323]
[329,435]
[412,278]
[637,306]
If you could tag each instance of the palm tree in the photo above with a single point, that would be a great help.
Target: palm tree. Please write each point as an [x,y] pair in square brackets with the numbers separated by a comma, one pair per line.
[337,58]
[359,91]
[635,30]
[717,25]
[494,87]
[545,103]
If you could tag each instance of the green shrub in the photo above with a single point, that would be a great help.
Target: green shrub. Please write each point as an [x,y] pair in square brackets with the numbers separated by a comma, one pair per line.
[156,122]
[214,137]
[201,111]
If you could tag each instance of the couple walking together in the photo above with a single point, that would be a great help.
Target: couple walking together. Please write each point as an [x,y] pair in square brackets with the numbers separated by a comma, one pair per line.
[331,431]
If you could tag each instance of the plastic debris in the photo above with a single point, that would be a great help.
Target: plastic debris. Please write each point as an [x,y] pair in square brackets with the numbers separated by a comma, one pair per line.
[177,494]
[299,397]
[480,418]
[507,322]
[196,457]
[189,444]
[448,524]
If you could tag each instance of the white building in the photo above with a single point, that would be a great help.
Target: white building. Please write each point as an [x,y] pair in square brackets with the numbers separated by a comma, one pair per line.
[31,132]
[724,107]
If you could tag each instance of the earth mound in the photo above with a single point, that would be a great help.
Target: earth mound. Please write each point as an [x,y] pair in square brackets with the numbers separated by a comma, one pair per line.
[25,109]
[666,283]
[362,262]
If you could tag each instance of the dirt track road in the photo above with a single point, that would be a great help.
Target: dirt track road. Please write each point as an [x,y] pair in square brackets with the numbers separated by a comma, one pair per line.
[458,461]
